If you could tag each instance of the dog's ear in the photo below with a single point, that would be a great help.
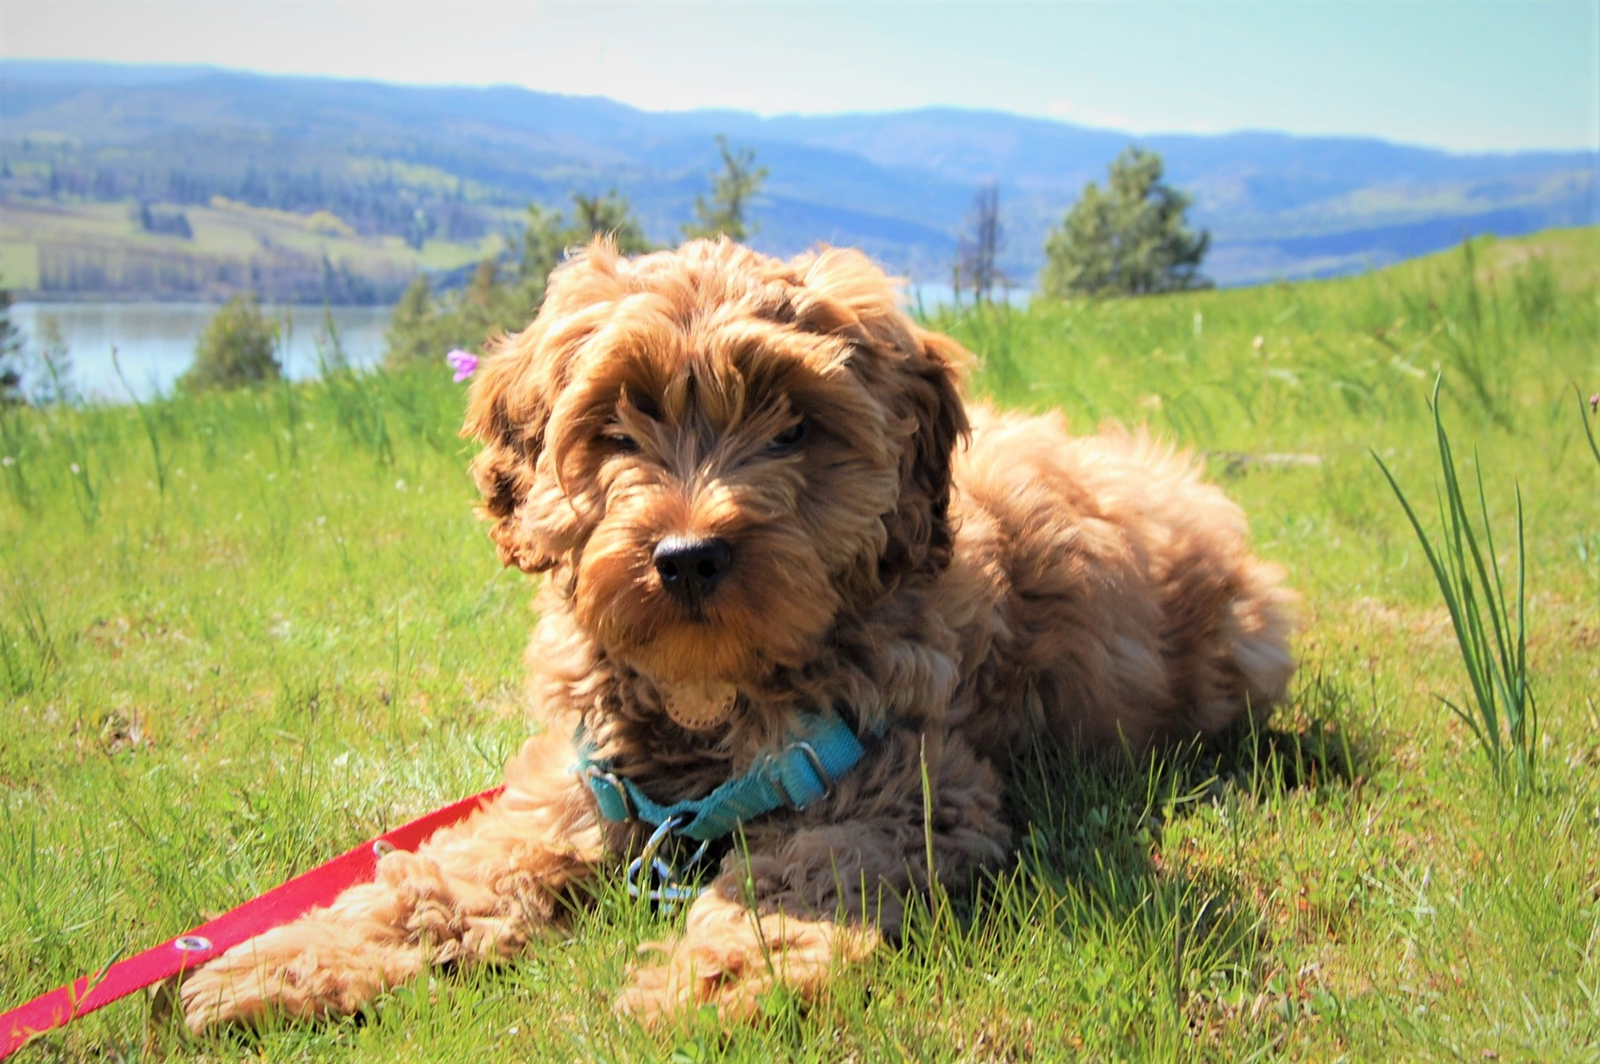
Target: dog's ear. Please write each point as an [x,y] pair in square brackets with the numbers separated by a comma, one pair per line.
[532,521]
[507,411]
[917,376]
[920,535]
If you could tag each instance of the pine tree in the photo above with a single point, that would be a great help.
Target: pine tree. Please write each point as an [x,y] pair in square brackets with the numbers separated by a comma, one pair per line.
[10,353]
[731,191]
[1130,239]
[549,234]
[413,326]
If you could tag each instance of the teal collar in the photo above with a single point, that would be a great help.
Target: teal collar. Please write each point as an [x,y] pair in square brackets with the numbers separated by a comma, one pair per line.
[820,751]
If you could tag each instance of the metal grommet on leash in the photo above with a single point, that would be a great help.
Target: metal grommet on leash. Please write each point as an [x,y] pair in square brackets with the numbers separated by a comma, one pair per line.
[383,848]
[192,943]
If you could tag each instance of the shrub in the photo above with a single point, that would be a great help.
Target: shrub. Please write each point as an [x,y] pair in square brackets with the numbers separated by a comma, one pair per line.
[239,347]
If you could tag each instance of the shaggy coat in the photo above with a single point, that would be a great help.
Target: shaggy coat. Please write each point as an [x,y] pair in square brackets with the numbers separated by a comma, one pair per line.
[956,584]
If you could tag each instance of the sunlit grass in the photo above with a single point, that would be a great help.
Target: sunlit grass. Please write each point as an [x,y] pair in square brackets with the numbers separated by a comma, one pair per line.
[240,633]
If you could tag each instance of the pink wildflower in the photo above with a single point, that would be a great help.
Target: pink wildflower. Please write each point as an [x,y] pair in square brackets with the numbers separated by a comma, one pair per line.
[463,363]
[1594,403]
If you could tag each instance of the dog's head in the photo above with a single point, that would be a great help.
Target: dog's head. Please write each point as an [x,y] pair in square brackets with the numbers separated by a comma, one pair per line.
[718,452]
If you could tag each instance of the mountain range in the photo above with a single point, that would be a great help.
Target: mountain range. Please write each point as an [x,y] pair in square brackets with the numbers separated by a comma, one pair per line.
[900,185]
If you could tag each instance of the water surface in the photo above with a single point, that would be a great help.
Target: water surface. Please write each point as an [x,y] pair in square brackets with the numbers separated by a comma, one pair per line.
[155,341]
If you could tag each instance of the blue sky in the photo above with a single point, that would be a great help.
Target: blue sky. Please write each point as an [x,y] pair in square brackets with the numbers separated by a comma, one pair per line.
[1466,75]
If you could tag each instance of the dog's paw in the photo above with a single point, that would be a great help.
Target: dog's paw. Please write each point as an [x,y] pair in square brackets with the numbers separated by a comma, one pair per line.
[727,958]
[298,972]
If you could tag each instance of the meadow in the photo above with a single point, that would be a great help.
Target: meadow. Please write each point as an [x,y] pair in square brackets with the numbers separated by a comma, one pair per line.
[240,633]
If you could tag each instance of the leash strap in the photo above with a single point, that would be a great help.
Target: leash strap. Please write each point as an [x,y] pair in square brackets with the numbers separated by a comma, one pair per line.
[273,909]
[803,772]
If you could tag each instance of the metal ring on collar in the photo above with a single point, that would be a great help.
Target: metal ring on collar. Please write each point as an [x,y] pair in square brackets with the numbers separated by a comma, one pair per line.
[671,891]
[659,835]
[816,766]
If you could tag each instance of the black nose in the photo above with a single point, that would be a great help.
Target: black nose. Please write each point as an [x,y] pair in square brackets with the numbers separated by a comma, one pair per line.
[690,567]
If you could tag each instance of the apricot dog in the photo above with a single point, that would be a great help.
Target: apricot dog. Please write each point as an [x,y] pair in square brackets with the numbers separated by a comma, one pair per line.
[760,499]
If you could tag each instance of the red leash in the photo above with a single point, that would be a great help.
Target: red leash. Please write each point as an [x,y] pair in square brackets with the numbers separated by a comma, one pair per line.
[275,908]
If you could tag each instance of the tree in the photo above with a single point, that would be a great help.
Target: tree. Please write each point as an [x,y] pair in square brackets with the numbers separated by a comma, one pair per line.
[731,192]
[162,223]
[549,234]
[418,229]
[975,255]
[10,353]
[239,347]
[610,215]
[422,328]
[497,299]
[1130,239]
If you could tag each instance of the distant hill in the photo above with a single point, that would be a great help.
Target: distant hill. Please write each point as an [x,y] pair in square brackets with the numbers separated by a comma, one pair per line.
[446,169]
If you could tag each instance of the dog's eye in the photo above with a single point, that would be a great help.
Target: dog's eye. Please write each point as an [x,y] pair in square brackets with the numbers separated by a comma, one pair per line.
[788,439]
[620,442]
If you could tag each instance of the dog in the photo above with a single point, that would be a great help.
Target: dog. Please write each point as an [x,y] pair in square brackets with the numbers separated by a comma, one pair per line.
[782,553]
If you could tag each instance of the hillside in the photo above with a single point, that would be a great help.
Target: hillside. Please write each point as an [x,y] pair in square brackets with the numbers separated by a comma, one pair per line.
[98,250]
[455,166]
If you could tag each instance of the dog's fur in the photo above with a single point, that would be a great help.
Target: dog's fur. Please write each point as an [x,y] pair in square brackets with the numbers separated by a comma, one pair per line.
[957,584]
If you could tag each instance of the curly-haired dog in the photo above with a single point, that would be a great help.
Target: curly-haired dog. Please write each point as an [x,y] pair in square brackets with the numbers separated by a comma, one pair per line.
[770,525]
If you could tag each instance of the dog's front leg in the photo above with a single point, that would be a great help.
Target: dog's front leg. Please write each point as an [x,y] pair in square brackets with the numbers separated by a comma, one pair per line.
[477,891]
[828,886]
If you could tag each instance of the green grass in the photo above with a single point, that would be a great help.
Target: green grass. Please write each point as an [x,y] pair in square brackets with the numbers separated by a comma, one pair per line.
[251,630]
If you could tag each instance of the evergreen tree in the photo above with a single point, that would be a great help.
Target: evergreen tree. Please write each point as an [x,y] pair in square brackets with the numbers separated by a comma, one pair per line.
[731,191]
[10,353]
[415,332]
[1130,239]
[239,347]
[549,234]
[499,300]
[481,289]
[608,214]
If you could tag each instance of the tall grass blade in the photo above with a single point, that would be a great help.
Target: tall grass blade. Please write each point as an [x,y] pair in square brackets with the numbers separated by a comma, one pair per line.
[147,420]
[1493,641]
[1588,429]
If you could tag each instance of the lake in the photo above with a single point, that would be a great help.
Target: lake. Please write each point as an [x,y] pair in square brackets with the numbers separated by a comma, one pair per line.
[155,341]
